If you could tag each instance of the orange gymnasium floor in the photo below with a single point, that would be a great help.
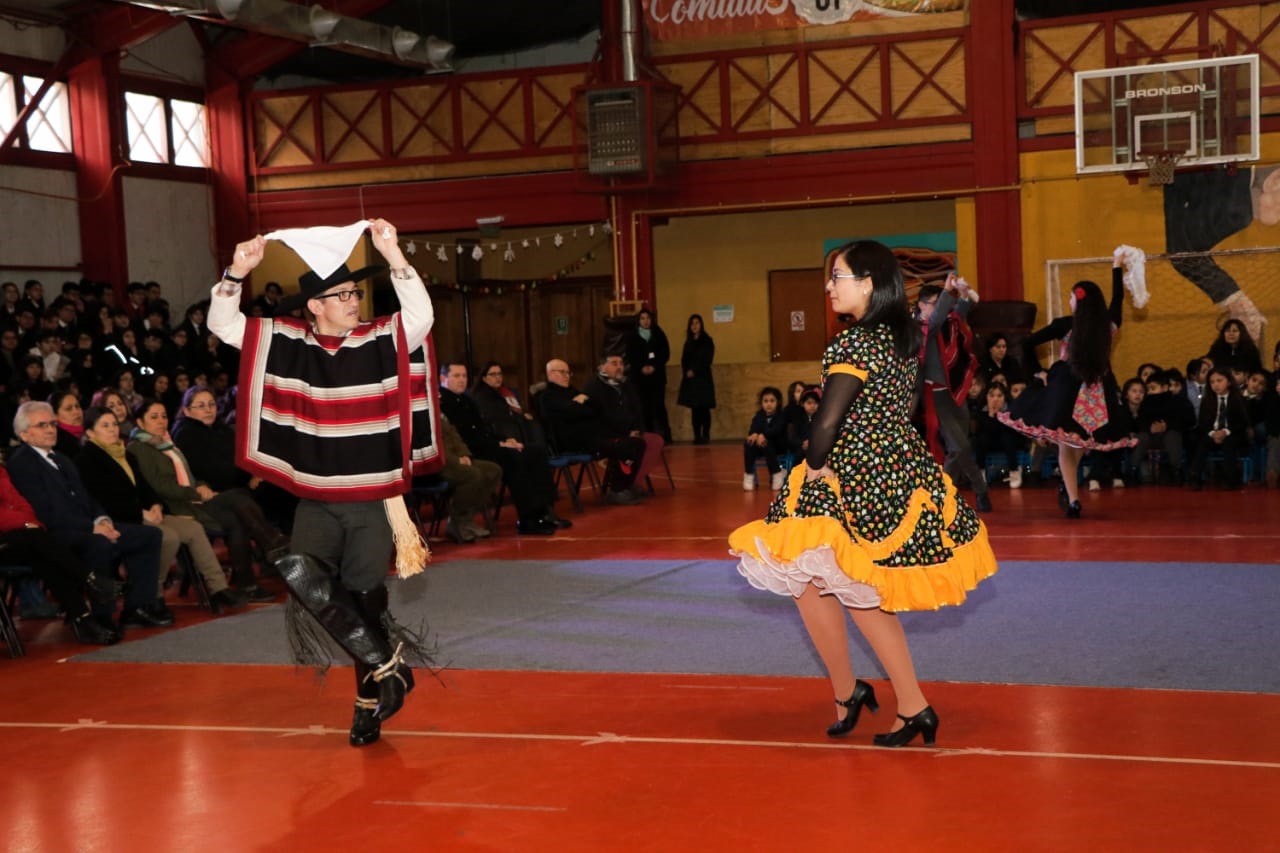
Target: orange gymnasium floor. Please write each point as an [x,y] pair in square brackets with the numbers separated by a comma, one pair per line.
[153,756]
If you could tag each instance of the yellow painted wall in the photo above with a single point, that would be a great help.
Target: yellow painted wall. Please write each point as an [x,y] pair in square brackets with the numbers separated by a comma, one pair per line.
[1068,217]
[704,261]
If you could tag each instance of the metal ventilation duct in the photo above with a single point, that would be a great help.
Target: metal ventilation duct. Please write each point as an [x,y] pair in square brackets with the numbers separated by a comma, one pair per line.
[317,27]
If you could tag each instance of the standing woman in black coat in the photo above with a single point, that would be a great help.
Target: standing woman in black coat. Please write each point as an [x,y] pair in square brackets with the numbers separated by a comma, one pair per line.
[697,387]
[647,355]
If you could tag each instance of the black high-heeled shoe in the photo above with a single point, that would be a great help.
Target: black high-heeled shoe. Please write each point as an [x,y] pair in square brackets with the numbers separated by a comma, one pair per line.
[925,723]
[863,694]
[1073,509]
[1063,499]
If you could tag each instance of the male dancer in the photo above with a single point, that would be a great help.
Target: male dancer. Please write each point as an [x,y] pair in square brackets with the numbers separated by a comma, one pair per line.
[339,412]
[933,305]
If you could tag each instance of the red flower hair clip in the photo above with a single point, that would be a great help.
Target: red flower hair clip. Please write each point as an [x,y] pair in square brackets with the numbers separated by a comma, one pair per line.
[1079,292]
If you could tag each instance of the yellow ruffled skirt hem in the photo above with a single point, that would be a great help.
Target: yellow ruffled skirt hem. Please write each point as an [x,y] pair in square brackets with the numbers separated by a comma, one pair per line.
[900,588]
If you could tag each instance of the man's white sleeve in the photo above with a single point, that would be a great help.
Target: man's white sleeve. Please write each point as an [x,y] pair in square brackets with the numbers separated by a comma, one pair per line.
[416,311]
[225,318]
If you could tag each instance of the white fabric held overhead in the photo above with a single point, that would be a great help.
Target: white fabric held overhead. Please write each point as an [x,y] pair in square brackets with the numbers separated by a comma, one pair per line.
[323,248]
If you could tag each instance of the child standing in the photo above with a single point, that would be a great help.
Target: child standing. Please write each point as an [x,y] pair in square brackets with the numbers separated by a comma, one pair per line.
[798,427]
[767,437]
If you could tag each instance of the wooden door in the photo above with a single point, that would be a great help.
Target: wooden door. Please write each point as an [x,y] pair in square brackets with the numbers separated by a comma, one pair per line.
[797,315]
[566,320]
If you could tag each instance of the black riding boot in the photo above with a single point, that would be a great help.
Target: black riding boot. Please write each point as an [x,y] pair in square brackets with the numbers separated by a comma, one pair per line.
[366,727]
[317,588]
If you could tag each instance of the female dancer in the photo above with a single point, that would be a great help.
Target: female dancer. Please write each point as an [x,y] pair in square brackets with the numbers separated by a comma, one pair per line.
[1078,405]
[869,524]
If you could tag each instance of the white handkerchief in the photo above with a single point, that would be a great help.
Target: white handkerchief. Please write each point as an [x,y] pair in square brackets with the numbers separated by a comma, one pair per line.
[323,248]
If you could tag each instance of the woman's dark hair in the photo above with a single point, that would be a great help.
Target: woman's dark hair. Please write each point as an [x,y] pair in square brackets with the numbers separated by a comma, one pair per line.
[480,374]
[791,391]
[141,409]
[767,390]
[93,414]
[56,398]
[1155,368]
[1089,351]
[888,303]
[1246,350]
[995,339]
[1124,392]
[1233,390]
[99,399]
[702,326]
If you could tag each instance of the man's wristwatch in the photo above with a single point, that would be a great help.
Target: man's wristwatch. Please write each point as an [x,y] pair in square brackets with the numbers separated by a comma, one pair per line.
[227,276]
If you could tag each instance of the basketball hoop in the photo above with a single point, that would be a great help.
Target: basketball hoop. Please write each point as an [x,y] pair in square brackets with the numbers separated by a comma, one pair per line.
[1160,166]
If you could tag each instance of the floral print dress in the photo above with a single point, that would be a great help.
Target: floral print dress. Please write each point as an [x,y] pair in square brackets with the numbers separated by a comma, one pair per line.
[888,530]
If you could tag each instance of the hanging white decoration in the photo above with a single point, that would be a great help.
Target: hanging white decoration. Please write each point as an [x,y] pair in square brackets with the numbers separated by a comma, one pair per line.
[509,255]
[607,228]
[412,248]
[591,231]
[493,247]
[524,244]
[442,255]
[461,248]
[538,240]
[477,253]
[559,240]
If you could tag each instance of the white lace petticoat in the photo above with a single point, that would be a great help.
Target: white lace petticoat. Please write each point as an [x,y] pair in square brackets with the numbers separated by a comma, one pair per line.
[815,566]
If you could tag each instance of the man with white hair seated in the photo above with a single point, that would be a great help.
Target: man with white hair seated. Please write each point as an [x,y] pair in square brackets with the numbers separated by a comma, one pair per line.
[51,484]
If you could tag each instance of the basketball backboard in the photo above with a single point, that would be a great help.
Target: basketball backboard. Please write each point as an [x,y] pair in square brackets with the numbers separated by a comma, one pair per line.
[1198,112]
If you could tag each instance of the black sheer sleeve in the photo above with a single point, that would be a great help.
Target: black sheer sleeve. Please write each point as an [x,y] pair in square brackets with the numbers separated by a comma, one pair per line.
[1055,331]
[837,396]
[1116,308]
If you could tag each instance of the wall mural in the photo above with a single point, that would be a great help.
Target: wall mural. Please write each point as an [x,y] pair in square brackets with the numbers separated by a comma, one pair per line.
[1202,209]
[669,20]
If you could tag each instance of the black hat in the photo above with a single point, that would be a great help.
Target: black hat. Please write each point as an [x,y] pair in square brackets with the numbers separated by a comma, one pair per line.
[311,285]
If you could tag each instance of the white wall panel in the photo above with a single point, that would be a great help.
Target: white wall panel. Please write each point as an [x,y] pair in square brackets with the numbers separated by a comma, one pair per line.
[40,226]
[168,228]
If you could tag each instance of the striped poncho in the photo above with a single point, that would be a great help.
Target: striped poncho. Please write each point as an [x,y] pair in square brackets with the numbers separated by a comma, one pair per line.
[332,409]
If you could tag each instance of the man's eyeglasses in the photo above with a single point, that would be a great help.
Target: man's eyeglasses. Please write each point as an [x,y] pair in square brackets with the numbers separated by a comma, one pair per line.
[494,373]
[558,370]
[343,295]
[43,424]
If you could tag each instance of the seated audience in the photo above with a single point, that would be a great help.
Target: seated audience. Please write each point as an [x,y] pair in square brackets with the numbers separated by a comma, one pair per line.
[209,445]
[1235,348]
[1223,427]
[51,484]
[799,428]
[574,425]
[1163,419]
[501,411]
[111,476]
[1271,421]
[524,467]
[66,408]
[24,541]
[233,512]
[474,483]
[996,359]
[991,436]
[622,413]
[767,439]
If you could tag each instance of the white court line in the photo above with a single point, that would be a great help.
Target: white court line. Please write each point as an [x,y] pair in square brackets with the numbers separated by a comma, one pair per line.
[85,724]
[470,806]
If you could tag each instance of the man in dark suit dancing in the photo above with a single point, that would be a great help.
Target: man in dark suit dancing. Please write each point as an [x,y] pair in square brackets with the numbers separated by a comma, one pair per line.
[51,484]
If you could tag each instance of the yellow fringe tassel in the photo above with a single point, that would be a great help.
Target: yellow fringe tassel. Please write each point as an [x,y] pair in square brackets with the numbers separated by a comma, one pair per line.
[412,553]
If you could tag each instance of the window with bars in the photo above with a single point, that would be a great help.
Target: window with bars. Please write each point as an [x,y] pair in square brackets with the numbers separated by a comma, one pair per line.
[165,130]
[48,125]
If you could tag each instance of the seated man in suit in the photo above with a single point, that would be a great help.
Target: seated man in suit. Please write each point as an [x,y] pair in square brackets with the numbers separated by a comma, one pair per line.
[51,484]
[24,541]
[575,426]
[617,402]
